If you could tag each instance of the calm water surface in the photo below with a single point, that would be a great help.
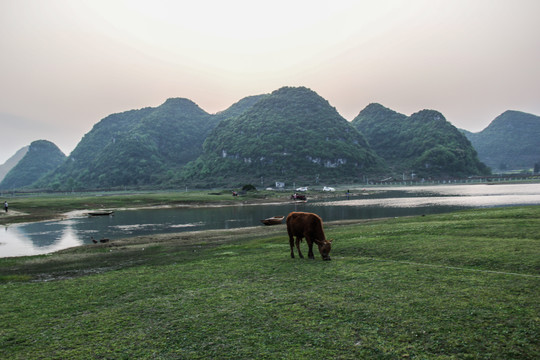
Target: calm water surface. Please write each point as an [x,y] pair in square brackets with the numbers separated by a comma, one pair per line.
[49,236]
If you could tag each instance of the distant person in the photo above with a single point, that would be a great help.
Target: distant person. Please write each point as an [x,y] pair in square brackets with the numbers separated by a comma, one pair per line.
[5,206]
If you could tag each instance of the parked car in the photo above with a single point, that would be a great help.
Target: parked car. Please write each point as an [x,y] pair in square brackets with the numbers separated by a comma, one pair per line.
[328,188]
[303,188]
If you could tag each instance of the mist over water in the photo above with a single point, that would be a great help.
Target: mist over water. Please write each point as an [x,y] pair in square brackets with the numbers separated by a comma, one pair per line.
[50,236]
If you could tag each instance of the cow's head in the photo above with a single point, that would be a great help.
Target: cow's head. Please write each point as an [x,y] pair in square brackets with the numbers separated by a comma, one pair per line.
[324,248]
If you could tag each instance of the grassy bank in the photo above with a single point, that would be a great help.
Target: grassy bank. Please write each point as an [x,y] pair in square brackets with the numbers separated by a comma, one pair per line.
[464,285]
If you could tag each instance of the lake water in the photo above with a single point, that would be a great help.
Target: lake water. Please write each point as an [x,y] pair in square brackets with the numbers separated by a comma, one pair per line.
[377,202]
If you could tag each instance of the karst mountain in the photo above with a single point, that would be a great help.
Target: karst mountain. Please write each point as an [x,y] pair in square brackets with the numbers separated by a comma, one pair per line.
[291,135]
[424,144]
[510,142]
[39,159]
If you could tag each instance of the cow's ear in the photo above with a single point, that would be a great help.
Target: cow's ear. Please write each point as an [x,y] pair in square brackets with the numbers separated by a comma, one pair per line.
[330,241]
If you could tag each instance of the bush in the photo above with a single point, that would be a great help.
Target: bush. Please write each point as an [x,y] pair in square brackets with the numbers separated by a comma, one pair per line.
[249,187]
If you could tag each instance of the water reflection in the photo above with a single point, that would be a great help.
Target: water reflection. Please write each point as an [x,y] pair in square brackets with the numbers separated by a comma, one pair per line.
[21,241]
[45,237]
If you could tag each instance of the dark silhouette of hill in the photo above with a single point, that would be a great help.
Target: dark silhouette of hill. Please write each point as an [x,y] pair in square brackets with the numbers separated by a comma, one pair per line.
[510,142]
[42,157]
[12,161]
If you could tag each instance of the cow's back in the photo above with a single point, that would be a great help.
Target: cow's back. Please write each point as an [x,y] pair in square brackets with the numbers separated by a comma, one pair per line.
[305,224]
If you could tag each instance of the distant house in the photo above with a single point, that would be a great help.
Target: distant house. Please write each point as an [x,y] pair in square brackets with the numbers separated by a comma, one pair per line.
[280,185]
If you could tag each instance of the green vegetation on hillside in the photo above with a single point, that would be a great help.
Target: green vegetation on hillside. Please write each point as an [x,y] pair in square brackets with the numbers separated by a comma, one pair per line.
[510,142]
[140,148]
[463,285]
[136,148]
[290,134]
[423,143]
[42,157]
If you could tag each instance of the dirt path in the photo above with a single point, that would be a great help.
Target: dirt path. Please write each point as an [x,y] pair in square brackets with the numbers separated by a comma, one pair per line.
[10,214]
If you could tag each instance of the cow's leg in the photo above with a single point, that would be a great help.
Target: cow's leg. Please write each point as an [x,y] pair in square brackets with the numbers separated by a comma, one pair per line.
[298,239]
[291,242]
[310,245]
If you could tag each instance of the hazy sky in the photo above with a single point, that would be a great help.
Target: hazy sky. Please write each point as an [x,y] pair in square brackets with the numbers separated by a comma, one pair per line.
[66,64]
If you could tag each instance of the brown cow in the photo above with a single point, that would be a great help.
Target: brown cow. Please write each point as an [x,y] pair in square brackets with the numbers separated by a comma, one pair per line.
[309,226]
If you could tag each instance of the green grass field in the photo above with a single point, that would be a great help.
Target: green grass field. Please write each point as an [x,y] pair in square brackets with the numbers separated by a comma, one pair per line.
[463,285]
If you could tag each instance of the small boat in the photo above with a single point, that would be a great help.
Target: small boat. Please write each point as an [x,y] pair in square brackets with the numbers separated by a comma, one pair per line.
[100,213]
[274,220]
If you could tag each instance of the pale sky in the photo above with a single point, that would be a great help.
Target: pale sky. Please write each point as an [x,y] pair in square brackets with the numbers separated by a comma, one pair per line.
[66,64]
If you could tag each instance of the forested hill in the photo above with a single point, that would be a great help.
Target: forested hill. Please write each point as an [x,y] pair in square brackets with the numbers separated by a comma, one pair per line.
[238,108]
[375,122]
[293,133]
[510,142]
[423,143]
[290,135]
[134,148]
[42,157]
